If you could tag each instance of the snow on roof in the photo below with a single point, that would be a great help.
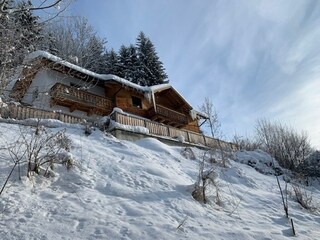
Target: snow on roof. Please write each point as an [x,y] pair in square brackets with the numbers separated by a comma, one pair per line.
[106,77]
[101,77]
[194,114]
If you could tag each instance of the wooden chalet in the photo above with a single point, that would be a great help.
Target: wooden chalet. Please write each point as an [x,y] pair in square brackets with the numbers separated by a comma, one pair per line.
[51,83]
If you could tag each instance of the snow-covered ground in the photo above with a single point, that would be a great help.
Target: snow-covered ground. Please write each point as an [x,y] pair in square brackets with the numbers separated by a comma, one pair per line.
[142,190]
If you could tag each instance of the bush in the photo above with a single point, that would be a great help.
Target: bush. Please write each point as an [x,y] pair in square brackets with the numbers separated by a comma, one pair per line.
[304,198]
[287,146]
[261,161]
[207,177]
[245,143]
[311,166]
[40,149]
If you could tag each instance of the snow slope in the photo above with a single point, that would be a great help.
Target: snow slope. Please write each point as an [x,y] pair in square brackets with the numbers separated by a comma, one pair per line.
[142,190]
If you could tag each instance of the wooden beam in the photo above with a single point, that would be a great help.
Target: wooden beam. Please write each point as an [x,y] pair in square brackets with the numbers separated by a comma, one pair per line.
[73,107]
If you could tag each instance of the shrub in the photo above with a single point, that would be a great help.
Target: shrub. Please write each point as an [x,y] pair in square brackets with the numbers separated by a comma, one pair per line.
[287,146]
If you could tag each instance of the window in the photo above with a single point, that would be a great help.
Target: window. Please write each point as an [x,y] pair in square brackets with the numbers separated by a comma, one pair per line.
[136,102]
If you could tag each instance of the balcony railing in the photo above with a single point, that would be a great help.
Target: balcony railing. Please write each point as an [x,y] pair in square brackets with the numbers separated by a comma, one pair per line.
[161,130]
[72,96]
[168,115]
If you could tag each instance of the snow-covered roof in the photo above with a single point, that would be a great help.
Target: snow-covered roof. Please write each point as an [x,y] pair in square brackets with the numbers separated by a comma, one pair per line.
[194,114]
[101,77]
[106,77]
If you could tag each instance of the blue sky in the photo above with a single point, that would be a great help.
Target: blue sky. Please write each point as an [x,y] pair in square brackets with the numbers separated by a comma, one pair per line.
[252,58]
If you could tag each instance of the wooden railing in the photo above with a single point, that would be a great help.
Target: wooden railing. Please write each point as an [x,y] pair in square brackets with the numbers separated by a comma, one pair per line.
[22,112]
[63,92]
[159,129]
[169,114]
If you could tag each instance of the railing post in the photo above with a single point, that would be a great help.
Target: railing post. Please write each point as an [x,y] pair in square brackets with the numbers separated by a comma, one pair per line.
[188,135]
[204,140]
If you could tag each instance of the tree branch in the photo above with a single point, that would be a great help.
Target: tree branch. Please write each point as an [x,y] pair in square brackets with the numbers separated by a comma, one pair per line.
[14,10]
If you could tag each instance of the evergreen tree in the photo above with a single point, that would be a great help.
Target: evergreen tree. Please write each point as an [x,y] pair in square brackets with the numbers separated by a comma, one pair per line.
[113,65]
[128,62]
[20,33]
[150,70]
[124,62]
[133,64]
[30,30]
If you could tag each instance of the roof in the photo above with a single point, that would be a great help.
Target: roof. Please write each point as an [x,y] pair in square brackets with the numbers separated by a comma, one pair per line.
[102,77]
[107,77]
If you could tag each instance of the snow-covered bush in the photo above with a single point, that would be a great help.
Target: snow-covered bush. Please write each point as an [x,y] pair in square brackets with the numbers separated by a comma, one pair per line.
[304,198]
[207,179]
[259,160]
[40,149]
[64,158]
[188,153]
[311,166]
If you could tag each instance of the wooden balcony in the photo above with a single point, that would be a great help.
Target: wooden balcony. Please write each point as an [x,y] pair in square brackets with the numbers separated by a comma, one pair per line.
[81,100]
[168,116]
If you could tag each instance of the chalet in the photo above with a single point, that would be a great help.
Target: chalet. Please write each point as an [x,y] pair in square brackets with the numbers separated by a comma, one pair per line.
[50,83]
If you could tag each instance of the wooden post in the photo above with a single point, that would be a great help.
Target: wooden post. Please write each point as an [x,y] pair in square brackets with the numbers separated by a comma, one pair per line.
[22,113]
[188,135]
[12,111]
[293,230]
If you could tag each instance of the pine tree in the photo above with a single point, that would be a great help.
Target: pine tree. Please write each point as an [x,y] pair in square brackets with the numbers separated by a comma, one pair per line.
[112,63]
[20,33]
[28,31]
[133,65]
[124,62]
[150,70]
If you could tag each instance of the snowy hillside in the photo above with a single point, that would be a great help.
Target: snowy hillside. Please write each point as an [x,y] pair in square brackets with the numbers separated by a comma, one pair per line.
[142,190]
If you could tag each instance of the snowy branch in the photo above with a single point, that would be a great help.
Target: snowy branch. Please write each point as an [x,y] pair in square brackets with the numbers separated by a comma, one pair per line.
[4,11]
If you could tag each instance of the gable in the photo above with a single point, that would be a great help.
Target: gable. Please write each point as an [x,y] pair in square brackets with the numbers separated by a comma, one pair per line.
[172,99]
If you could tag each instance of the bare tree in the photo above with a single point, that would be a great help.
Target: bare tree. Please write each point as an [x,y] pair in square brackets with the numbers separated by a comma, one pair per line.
[221,148]
[76,41]
[213,121]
